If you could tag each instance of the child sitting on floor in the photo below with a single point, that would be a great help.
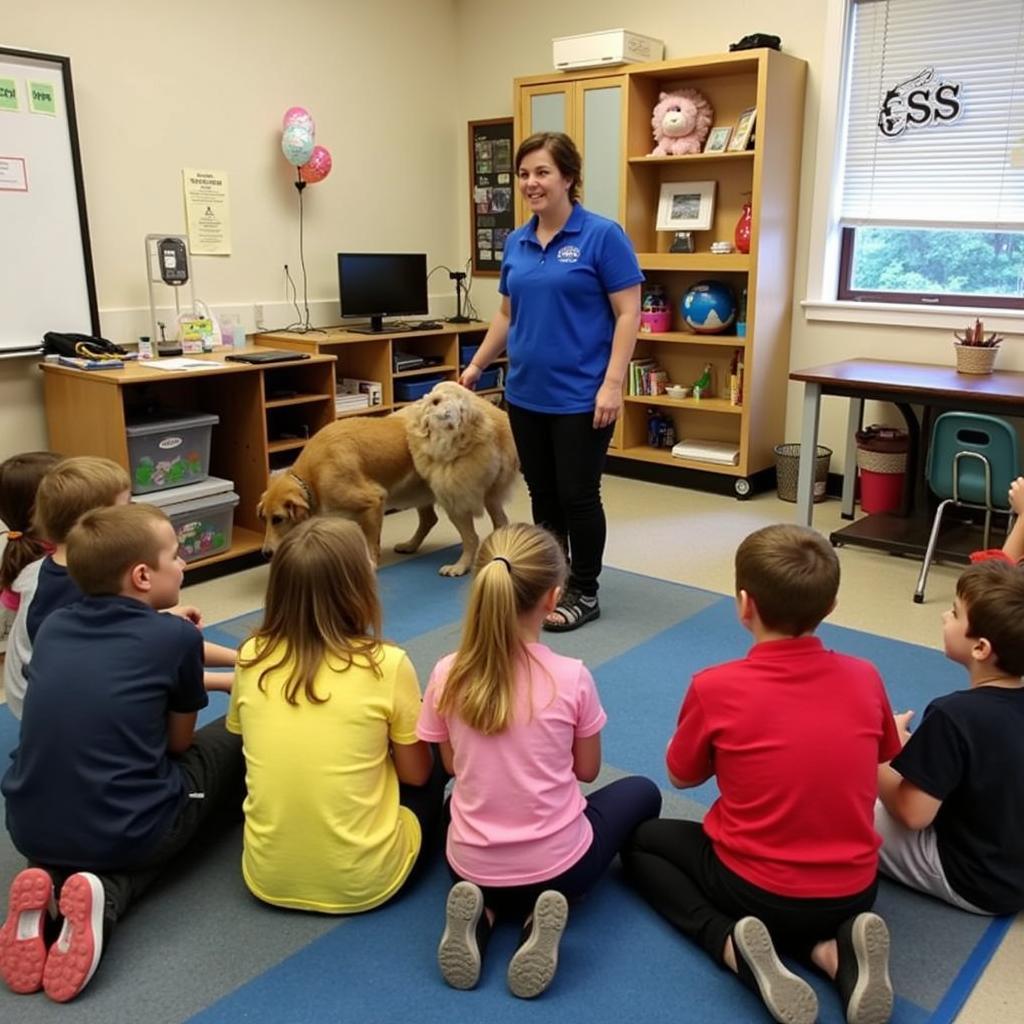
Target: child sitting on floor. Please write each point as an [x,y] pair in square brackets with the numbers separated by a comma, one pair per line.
[787,854]
[72,487]
[343,802]
[19,481]
[109,783]
[951,808]
[518,725]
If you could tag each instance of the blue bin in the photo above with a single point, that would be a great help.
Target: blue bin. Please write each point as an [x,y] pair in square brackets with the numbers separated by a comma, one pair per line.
[409,389]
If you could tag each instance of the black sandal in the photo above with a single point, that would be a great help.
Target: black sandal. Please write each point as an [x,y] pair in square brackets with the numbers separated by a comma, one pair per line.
[575,610]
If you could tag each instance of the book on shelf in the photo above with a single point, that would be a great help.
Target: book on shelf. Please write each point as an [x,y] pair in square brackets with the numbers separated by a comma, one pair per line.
[646,377]
[721,453]
[345,402]
[355,386]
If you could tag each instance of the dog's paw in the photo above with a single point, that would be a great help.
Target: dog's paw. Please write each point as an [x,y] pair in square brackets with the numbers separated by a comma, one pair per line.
[458,569]
[407,547]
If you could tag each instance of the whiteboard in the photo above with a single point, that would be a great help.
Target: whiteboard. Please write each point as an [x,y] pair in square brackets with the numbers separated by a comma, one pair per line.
[46,273]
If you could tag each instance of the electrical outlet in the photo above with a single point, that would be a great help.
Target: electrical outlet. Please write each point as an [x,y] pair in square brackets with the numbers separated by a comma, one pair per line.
[257,315]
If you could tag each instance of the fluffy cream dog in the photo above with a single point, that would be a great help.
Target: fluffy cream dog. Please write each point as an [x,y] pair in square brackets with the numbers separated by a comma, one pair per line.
[355,468]
[462,447]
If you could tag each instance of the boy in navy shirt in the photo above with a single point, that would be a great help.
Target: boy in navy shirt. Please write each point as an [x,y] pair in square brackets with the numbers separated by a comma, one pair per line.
[951,809]
[109,783]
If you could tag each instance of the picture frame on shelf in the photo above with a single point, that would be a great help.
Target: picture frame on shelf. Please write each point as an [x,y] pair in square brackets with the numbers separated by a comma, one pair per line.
[743,130]
[718,139]
[686,206]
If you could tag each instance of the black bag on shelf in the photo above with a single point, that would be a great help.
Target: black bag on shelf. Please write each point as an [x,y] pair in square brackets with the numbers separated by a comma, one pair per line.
[756,41]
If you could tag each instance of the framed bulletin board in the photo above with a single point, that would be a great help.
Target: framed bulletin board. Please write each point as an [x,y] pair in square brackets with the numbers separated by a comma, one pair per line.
[491,181]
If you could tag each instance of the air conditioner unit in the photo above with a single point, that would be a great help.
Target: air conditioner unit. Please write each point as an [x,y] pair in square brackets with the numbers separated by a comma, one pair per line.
[596,49]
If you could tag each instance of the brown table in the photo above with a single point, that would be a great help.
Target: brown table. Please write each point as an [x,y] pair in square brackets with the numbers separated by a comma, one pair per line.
[936,388]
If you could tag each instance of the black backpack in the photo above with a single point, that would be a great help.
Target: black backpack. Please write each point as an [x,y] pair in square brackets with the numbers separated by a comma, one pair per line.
[84,346]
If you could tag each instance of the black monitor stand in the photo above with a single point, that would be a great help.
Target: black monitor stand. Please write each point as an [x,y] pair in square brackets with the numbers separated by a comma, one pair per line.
[460,317]
[376,326]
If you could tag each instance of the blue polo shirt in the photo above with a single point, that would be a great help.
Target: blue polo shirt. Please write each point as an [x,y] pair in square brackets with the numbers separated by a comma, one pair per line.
[560,334]
[90,785]
[54,589]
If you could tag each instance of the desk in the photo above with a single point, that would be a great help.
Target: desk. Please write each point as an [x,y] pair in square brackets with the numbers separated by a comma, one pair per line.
[87,411]
[935,387]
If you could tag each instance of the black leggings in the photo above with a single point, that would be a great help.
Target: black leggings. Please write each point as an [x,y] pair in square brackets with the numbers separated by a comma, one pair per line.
[562,458]
[427,803]
[674,866]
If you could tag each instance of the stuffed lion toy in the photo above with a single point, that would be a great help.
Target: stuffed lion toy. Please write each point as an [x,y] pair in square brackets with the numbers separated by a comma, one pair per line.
[681,122]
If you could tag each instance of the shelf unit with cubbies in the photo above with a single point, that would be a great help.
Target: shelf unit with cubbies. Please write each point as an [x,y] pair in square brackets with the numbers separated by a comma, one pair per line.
[767,174]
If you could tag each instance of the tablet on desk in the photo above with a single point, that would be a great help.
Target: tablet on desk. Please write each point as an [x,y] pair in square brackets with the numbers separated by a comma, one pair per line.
[270,355]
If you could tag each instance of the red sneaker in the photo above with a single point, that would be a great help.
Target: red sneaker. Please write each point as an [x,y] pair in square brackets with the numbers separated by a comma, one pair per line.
[73,957]
[22,944]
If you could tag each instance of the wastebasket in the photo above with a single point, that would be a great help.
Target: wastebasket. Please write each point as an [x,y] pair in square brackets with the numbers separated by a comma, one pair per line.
[882,461]
[787,470]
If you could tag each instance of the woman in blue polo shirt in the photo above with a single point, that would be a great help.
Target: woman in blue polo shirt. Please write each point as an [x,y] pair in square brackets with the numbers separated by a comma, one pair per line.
[569,315]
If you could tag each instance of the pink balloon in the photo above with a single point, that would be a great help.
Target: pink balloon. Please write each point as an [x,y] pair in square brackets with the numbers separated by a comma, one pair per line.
[317,167]
[297,114]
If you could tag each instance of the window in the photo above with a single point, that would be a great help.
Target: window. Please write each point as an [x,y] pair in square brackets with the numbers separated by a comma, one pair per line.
[930,204]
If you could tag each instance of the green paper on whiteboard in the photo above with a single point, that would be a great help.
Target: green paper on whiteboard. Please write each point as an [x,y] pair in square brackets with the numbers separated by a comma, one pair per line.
[8,94]
[42,98]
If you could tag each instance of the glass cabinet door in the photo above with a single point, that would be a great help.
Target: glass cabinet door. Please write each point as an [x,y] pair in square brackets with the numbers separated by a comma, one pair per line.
[600,108]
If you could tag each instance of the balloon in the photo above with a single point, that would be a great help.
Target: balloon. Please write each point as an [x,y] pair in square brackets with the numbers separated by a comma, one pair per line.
[298,115]
[318,166]
[297,144]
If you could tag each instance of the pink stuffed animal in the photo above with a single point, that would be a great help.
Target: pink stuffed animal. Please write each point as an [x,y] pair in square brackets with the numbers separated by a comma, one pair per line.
[681,122]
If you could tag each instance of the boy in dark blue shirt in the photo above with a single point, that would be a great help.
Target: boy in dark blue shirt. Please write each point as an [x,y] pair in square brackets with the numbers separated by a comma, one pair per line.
[109,782]
[951,808]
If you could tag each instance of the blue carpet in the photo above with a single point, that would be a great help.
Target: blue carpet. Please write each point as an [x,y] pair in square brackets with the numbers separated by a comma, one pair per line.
[619,960]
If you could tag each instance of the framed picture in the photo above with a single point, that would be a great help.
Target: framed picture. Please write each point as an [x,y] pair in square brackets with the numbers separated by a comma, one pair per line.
[686,206]
[718,139]
[743,130]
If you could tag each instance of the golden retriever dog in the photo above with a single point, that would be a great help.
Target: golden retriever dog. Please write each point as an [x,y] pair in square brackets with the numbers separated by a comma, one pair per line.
[462,447]
[355,468]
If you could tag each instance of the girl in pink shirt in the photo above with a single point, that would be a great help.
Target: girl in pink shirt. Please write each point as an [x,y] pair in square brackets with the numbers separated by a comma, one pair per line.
[519,727]
[19,480]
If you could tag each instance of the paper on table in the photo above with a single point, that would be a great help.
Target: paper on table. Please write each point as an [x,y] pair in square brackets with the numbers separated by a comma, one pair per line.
[175,365]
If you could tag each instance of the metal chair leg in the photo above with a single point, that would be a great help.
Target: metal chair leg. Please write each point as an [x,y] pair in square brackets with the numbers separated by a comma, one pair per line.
[930,551]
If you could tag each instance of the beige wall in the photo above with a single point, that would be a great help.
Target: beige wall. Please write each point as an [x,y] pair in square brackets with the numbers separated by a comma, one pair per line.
[391,85]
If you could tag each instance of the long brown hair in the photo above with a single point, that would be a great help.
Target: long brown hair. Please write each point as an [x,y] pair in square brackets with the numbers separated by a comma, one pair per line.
[322,605]
[19,480]
[515,567]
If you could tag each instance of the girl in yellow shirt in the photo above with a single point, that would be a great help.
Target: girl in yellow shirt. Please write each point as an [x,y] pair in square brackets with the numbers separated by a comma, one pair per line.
[342,796]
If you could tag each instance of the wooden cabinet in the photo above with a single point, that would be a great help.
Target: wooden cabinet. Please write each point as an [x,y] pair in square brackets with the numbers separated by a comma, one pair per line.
[590,108]
[373,357]
[767,174]
[265,412]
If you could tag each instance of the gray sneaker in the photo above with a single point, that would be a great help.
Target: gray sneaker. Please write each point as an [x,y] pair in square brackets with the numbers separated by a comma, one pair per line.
[789,999]
[532,968]
[466,929]
[863,974]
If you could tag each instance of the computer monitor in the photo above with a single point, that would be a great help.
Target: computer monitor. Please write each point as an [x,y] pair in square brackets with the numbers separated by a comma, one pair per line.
[378,284]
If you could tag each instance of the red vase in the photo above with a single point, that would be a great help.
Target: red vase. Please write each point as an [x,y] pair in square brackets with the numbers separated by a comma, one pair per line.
[742,236]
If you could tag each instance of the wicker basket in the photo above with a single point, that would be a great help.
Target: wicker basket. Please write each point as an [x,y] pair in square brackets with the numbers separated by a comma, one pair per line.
[881,462]
[787,469]
[974,358]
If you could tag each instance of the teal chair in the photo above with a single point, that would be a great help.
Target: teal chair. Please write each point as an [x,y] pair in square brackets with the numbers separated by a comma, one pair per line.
[972,460]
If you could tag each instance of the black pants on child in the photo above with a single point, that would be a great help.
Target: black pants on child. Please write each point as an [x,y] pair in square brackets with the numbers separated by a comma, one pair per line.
[674,866]
[563,457]
[427,803]
[215,768]
[613,811]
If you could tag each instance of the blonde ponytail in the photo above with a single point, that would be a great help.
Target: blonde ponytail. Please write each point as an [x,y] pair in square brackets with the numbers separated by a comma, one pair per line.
[516,566]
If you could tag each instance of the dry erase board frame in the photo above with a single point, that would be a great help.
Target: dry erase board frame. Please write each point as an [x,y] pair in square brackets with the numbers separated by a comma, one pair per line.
[50,173]
[491,181]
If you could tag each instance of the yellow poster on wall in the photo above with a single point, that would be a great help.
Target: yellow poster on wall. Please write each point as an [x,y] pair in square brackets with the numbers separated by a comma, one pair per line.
[207,212]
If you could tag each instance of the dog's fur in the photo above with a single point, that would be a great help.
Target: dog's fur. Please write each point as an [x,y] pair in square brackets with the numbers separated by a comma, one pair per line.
[354,468]
[359,466]
[462,447]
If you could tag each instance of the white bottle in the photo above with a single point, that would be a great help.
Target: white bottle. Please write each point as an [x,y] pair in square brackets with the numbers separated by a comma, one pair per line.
[145,347]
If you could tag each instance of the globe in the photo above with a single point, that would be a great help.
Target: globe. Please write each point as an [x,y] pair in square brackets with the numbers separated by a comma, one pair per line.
[709,307]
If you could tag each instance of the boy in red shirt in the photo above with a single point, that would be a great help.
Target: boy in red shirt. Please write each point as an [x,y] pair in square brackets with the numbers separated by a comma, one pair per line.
[788,853]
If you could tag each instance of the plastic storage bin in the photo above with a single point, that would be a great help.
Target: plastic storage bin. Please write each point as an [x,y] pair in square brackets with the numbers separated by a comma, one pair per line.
[169,450]
[489,379]
[201,515]
[787,470]
[411,388]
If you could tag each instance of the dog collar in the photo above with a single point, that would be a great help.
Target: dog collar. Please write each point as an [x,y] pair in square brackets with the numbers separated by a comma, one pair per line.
[305,490]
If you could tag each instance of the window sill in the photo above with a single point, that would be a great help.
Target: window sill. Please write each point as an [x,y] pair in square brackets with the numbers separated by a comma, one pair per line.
[893,314]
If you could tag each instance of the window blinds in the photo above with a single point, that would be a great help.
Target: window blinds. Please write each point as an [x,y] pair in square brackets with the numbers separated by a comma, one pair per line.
[951,172]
